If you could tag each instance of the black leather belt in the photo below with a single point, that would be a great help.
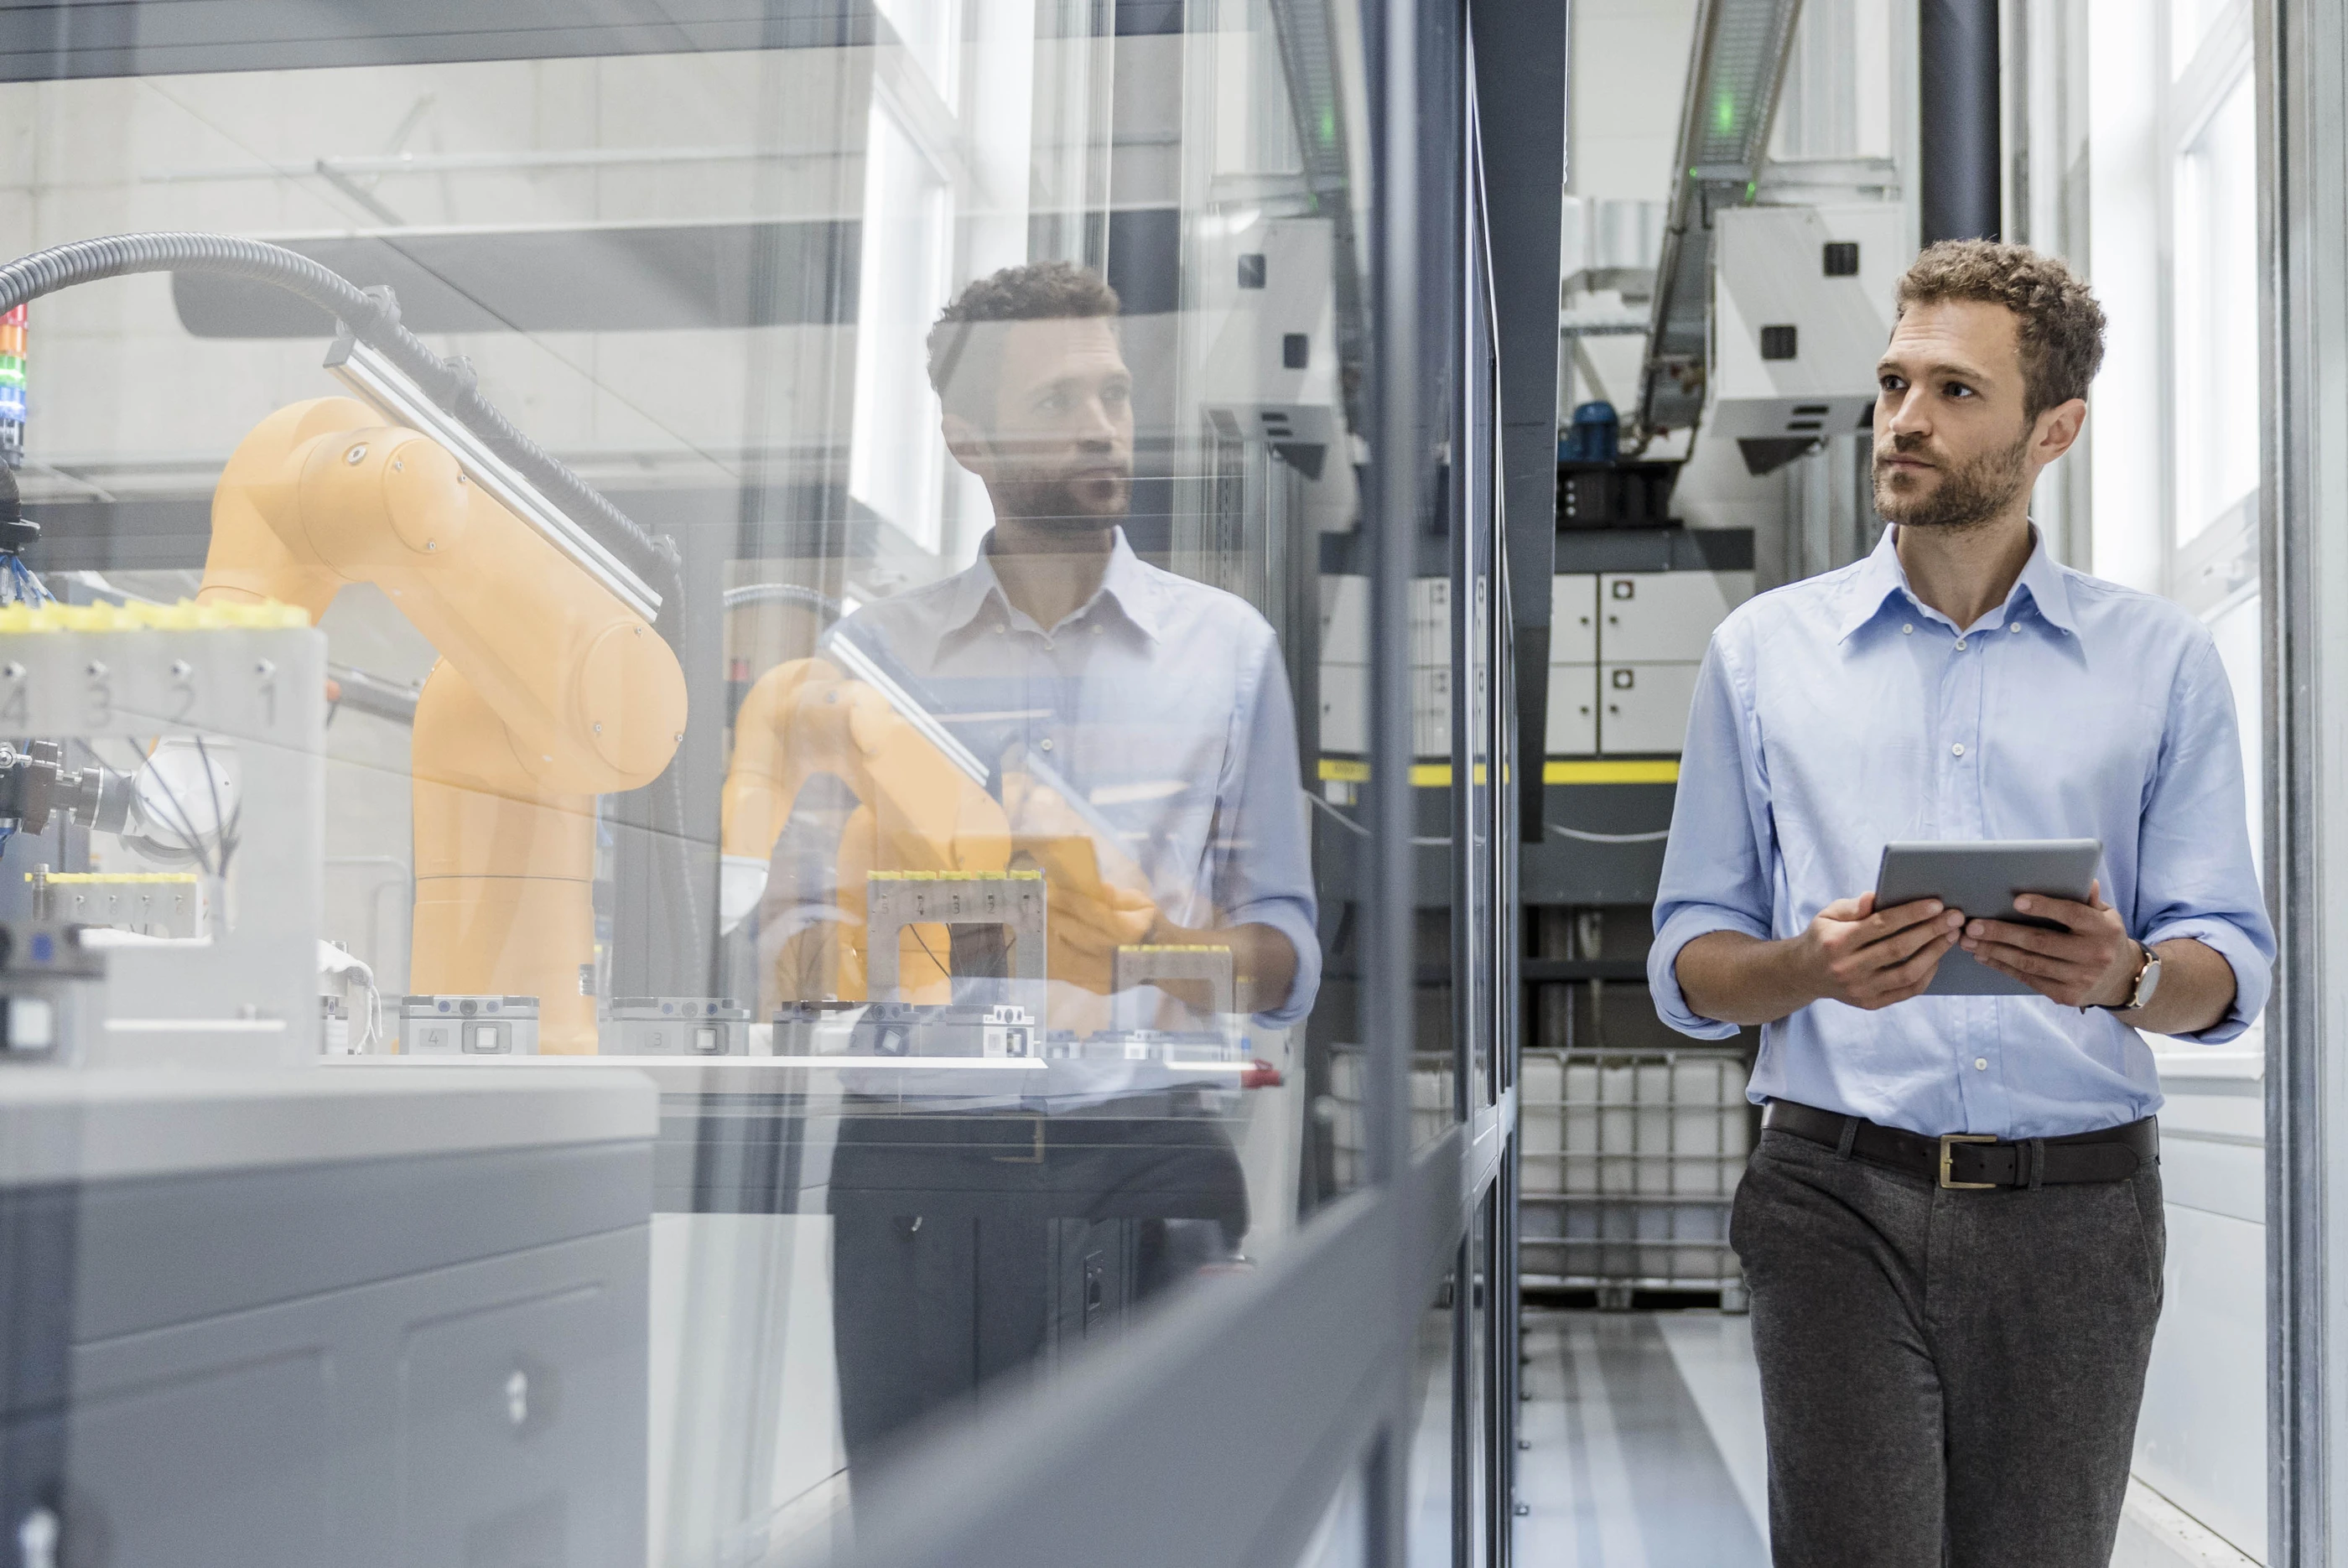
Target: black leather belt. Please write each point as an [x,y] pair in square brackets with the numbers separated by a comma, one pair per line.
[1965,1161]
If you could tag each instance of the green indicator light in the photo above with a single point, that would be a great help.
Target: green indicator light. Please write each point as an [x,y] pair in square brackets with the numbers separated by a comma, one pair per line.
[1724,116]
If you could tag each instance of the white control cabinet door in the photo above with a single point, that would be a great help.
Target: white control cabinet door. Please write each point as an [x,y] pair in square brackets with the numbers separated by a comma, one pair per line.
[1646,707]
[1346,620]
[1346,710]
[1574,618]
[1664,618]
[1430,715]
[1573,710]
[1430,623]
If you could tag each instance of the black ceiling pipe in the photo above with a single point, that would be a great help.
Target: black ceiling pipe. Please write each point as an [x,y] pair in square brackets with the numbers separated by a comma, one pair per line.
[1957,119]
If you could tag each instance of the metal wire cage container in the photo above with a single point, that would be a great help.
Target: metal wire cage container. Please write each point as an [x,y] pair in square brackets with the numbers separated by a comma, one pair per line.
[1431,1112]
[1631,1160]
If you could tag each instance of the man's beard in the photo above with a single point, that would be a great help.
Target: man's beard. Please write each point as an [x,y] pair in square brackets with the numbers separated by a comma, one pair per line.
[1967,496]
[1054,503]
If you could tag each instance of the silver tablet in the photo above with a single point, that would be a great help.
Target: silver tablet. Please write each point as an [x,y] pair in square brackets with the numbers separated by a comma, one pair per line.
[1983,879]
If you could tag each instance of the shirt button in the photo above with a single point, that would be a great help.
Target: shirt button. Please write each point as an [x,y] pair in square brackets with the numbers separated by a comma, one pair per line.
[1907,630]
[1097,628]
[1981,1064]
[2014,625]
[1961,645]
[1957,749]
[1047,743]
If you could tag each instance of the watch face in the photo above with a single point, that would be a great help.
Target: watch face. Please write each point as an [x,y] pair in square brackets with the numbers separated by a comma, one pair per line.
[2147,982]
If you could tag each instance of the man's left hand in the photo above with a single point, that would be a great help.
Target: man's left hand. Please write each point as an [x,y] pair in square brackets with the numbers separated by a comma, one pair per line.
[2091,963]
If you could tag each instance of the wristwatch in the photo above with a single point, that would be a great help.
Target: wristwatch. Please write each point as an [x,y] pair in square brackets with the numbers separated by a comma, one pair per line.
[2148,981]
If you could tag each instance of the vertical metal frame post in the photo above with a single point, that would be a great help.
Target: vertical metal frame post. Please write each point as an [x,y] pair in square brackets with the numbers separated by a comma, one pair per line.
[1522,48]
[1399,465]
[1959,120]
[2302,57]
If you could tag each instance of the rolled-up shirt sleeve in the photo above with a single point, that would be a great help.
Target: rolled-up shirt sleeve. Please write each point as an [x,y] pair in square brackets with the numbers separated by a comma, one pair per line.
[1263,861]
[2195,874]
[1716,875]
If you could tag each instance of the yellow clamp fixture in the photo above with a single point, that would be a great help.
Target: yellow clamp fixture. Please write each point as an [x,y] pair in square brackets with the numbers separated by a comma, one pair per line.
[187,616]
[954,876]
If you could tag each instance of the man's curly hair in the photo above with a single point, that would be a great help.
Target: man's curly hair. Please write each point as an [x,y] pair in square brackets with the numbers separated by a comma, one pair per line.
[965,362]
[2058,324]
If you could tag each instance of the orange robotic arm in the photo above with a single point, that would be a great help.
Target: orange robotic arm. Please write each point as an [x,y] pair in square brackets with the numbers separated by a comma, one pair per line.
[549,690]
[919,812]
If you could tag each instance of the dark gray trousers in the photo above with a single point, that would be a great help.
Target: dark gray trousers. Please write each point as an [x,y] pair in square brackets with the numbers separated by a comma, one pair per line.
[1947,1378]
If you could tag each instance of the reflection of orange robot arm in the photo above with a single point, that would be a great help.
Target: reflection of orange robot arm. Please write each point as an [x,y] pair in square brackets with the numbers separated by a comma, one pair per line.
[919,812]
[549,690]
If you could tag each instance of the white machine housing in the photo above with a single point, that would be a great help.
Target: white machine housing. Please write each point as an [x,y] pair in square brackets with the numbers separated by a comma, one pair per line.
[1265,287]
[244,994]
[1771,272]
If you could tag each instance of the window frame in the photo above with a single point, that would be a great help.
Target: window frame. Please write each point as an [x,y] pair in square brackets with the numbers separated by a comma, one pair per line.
[2187,99]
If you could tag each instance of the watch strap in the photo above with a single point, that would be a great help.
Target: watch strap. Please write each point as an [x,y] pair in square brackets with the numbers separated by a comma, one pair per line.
[2136,985]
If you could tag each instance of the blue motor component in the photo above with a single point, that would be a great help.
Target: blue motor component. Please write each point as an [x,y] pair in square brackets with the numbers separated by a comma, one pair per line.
[1594,436]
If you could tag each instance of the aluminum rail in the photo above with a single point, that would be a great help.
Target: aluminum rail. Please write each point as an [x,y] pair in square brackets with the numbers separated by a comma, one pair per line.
[1736,67]
[375,380]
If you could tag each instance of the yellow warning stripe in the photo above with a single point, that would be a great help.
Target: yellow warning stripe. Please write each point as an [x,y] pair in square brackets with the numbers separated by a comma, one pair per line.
[1653,772]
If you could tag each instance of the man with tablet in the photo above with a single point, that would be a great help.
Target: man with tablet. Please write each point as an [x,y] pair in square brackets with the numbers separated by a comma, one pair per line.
[1951,1227]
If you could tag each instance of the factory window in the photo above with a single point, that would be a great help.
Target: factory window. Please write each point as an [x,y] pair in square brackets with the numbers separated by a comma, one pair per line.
[904,252]
[2217,314]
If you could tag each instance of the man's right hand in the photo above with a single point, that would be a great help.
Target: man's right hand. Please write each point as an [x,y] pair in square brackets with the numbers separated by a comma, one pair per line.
[1870,958]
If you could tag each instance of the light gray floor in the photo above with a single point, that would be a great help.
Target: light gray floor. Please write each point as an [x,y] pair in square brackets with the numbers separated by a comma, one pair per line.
[1647,1443]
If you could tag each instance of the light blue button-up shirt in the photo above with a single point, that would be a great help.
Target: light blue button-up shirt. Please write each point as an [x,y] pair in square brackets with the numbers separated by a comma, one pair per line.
[1164,704]
[1840,714]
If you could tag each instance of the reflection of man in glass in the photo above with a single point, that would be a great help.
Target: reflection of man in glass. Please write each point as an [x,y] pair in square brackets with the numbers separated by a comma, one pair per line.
[1160,701]
[1158,733]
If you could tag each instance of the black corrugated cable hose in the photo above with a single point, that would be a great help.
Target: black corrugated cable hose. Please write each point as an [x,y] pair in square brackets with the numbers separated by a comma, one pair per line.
[374,319]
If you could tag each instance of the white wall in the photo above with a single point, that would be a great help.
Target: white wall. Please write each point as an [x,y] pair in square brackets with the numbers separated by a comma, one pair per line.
[1630,65]
[2201,1438]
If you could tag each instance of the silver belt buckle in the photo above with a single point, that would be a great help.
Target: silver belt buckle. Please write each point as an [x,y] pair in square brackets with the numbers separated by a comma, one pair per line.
[1947,1139]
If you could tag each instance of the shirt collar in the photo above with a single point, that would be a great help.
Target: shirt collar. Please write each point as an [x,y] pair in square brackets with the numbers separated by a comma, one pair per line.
[1126,583]
[1880,577]
[2049,586]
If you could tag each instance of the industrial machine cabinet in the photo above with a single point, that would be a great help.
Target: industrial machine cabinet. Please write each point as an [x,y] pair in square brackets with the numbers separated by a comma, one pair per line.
[311,1316]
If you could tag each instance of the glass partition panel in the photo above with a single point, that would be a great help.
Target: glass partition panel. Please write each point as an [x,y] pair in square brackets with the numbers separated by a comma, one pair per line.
[730,664]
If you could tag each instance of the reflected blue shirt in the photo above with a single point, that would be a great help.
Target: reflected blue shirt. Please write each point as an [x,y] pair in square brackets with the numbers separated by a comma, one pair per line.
[1165,704]
[1837,715]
